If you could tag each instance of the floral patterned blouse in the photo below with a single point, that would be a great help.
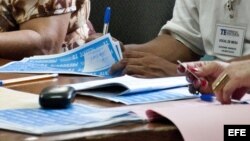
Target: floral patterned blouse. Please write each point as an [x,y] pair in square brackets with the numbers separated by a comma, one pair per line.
[15,12]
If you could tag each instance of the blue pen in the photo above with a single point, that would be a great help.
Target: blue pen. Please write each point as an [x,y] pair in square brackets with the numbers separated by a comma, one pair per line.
[210,98]
[207,97]
[106,20]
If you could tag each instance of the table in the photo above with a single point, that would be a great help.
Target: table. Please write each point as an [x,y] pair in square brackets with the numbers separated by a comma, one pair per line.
[132,132]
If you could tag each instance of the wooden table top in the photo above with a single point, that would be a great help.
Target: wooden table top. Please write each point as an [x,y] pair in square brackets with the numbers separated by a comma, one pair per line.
[146,132]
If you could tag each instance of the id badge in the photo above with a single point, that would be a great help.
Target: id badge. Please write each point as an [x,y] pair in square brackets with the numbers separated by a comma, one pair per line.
[229,40]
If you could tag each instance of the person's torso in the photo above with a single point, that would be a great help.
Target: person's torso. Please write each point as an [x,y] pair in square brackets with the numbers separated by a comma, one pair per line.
[214,12]
[15,12]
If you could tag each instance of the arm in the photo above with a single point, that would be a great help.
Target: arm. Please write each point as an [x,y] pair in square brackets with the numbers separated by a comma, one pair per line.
[242,58]
[167,47]
[156,58]
[38,36]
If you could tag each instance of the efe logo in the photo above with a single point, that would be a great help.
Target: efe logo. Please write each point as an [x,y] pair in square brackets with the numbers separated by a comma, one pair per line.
[237,132]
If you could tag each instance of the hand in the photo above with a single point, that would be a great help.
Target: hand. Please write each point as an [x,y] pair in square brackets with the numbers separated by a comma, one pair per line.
[207,71]
[238,84]
[98,35]
[93,37]
[141,64]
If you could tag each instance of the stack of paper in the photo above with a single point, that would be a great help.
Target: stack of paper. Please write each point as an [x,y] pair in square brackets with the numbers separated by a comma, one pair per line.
[94,58]
[20,111]
[198,120]
[130,90]
[41,121]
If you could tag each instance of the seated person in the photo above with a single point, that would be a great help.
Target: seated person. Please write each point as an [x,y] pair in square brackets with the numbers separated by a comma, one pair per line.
[38,27]
[219,29]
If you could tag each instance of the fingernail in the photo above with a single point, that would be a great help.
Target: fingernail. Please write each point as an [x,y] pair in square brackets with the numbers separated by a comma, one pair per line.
[204,83]
[190,78]
[192,89]
[154,117]
[123,61]
[192,69]
[181,69]
[197,83]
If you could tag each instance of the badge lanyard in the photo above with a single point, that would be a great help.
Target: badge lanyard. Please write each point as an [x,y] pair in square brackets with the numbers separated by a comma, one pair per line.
[229,6]
[229,39]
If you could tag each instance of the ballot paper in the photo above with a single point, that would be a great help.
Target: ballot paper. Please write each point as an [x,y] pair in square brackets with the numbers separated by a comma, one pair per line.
[77,117]
[94,58]
[20,111]
[130,90]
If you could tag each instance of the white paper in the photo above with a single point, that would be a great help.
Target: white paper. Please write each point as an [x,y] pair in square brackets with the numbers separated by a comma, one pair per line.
[11,99]
[130,90]
[132,85]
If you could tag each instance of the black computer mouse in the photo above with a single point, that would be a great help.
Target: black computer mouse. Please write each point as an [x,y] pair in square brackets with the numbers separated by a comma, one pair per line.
[56,97]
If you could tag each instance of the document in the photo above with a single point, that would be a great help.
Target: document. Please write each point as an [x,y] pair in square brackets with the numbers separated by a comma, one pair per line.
[12,99]
[77,117]
[130,90]
[199,120]
[20,111]
[94,58]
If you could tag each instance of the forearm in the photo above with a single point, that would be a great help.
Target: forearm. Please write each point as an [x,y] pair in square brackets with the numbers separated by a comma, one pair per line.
[247,57]
[18,44]
[167,47]
[38,36]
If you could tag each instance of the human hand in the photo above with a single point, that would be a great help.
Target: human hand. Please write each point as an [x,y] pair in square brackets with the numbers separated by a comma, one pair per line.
[93,37]
[206,71]
[141,64]
[98,35]
[238,83]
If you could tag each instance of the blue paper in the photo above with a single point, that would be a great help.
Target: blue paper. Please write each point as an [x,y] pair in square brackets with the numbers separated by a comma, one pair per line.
[41,121]
[145,97]
[94,58]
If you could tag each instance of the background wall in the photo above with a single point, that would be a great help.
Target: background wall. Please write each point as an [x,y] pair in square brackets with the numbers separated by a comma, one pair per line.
[132,21]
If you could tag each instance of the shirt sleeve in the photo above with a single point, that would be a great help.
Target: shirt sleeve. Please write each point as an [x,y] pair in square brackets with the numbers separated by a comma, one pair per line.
[24,10]
[184,26]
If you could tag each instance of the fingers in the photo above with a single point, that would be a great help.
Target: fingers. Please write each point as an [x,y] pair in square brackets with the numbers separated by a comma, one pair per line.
[127,66]
[219,87]
[239,93]
[198,83]
[93,37]
[122,46]
[207,69]
[181,69]
[231,90]
[130,64]
[202,73]
[133,70]
[134,54]
[117,68]
[227,92]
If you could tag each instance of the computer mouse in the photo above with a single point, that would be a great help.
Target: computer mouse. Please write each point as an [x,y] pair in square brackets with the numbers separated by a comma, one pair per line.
[57,97]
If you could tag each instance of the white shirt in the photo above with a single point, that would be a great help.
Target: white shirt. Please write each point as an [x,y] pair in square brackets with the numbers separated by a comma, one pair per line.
[194,23]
